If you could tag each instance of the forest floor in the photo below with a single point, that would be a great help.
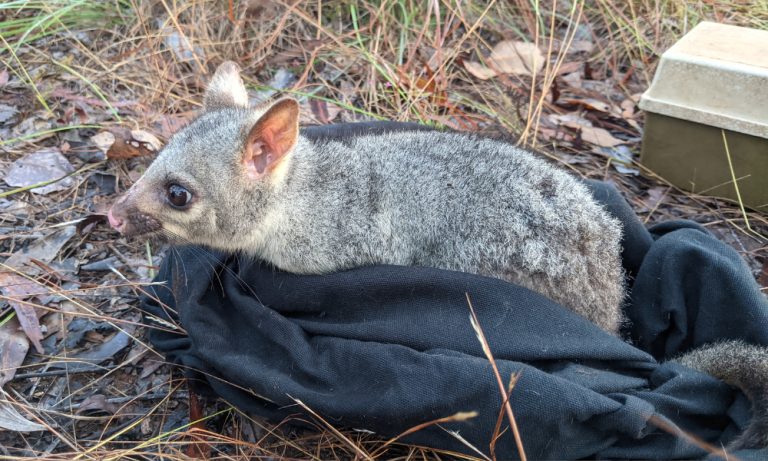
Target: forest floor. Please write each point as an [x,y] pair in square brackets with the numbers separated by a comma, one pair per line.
[90,91]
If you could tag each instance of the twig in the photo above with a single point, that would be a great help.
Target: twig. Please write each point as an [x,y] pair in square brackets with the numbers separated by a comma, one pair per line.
[487,350]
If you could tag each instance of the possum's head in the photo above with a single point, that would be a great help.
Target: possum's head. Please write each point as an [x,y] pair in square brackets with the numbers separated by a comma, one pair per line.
[211,183]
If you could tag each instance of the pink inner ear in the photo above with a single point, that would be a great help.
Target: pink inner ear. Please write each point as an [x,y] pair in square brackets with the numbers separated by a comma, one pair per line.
[257,160]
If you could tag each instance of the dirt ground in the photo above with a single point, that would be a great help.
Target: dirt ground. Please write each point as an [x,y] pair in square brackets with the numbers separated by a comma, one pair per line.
[91,92]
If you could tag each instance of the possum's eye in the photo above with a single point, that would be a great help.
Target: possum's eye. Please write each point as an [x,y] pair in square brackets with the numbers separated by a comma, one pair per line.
[178,196]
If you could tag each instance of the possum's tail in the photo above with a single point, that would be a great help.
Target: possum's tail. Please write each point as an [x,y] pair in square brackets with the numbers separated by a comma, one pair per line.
[744,366]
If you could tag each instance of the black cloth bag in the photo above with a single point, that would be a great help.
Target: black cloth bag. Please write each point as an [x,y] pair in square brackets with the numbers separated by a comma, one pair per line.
[386,348]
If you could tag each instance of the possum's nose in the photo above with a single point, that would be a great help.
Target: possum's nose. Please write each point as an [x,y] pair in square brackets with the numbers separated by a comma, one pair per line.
[116,224]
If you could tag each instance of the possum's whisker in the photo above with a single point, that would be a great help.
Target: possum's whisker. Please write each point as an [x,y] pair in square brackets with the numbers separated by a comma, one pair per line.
[196,251]
[200,251]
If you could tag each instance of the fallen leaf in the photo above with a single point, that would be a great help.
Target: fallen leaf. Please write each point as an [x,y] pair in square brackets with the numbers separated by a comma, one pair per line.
[588,75]
[14,345]
[121,143]
[657,196]
[555,91]
[478,70]
[320,109]
[580,46]
[94,337]
[3,77]
[307,114]
[136,354]
[181,46]
[576,46]
[280,81]
[6,112]
[509,57]
[105,183]
[17,288]
[620,153]
[97,402]
[44,249]
[573,79]
[85,226]
[519,58]
[627,103]
[298,51]
[568,67]
[574,121]
[592,104]
[627,108]
[152,363]
[549,134]
[11,420]
[599,137]
[89,359]
[57,323]
[44,165]
[262,9]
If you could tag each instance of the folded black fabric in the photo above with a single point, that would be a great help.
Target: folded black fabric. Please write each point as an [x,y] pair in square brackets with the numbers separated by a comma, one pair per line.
[386,348]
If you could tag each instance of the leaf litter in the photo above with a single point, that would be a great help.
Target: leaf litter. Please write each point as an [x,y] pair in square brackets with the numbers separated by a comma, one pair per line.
[80,351]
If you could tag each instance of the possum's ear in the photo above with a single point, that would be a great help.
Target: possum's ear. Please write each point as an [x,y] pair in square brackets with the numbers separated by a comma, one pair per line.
[272,138]
[226,90]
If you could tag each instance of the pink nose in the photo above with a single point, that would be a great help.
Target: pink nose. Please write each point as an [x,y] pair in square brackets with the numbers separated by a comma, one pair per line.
[116,224]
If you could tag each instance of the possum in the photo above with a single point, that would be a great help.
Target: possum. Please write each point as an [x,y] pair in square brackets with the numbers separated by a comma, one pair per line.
[246,180]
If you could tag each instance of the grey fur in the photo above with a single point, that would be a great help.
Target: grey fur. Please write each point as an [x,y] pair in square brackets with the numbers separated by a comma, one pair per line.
[744,366]
[451,201]
[425,198]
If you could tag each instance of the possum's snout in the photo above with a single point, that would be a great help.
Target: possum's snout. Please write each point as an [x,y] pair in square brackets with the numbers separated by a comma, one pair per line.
[129,217]
[117,223]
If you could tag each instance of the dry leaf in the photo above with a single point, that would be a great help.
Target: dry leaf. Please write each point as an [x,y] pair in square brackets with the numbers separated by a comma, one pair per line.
[264,10]
[599,137]
[549,134]
[517,58]
[568,67]
[181,46]
[85,226]
[17,288]
[44,249]
[627,108]
[97,402]
[11,420]
[580,46]
[576,46]
[478,70]
[307,115]
[592,104]
[574,121]
[14,345]
[44,165]
[320,109]
[6,112]
[509,57]
[121,143]
[3,77]
[573,79]
[657,196]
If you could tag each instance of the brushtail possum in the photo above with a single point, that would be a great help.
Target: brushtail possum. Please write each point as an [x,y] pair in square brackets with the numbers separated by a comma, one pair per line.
[247,180]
